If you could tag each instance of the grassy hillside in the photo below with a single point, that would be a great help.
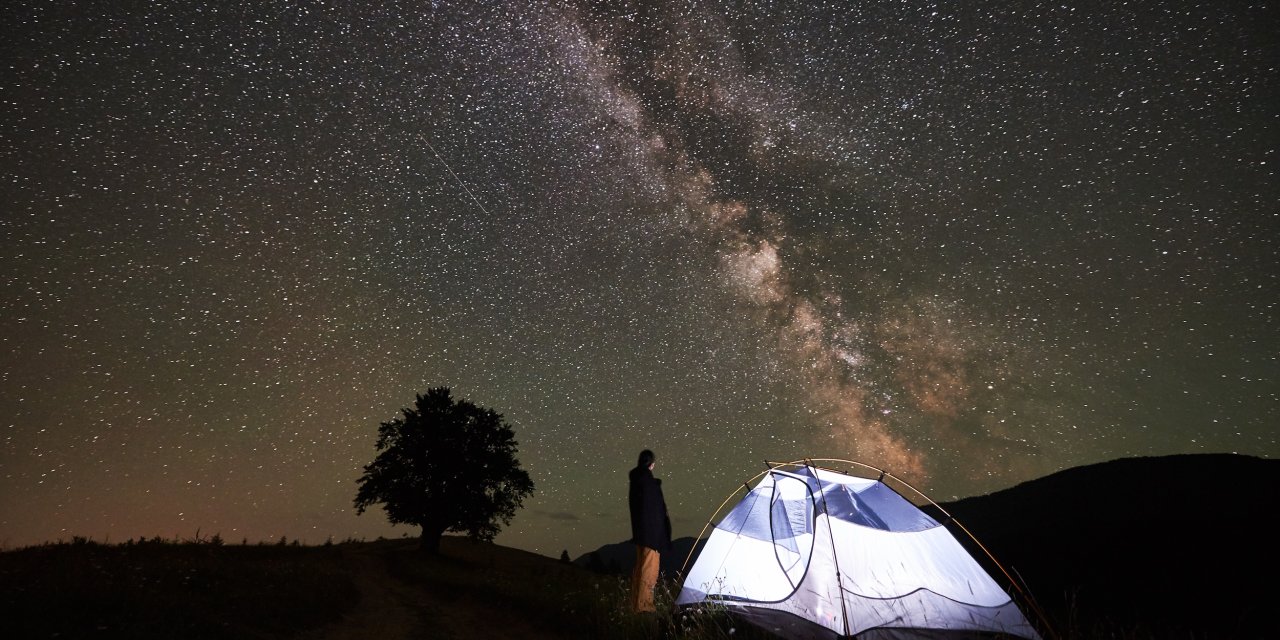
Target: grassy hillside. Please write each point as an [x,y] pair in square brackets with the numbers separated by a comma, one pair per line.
[156,589]
[385,589]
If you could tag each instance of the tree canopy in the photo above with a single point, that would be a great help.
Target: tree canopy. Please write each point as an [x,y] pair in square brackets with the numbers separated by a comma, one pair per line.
[445,465]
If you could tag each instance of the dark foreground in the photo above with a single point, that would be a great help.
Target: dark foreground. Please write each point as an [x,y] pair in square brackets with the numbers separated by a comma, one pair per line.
[385,590]
[1136,549]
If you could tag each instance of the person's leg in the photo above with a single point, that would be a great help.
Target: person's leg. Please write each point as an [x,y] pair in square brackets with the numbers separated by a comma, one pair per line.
[647,564]
[633,597]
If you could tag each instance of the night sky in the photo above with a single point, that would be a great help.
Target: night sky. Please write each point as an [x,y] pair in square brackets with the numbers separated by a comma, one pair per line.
[971,243]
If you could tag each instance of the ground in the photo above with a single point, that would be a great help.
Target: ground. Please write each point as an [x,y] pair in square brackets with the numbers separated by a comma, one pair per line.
[406,595]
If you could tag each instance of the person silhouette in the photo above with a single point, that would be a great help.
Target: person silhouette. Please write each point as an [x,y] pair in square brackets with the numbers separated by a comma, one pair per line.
[650,530]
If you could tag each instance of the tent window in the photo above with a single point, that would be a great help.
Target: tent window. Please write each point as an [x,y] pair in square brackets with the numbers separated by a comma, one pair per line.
[877,506]
[750,517]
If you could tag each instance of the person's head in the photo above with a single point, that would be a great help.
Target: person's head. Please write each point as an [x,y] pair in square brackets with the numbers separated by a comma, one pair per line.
[646,459]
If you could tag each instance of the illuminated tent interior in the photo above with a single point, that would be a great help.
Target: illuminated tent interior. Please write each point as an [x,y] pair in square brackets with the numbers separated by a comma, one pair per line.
[815,553]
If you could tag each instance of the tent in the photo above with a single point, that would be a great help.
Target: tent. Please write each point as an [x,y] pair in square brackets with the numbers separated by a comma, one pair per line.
[811,552]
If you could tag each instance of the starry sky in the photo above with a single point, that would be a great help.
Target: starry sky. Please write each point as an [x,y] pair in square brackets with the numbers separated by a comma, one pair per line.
[970,243]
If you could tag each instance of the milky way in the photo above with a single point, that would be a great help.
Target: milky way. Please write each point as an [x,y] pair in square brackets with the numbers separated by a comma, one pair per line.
[970,245]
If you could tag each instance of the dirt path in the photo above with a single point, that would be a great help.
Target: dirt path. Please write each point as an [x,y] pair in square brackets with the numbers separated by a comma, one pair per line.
[388,608]
[391,609]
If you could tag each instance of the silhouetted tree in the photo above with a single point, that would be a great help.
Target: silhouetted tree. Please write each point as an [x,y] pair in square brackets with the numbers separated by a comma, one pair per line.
[445,466]
[564,557]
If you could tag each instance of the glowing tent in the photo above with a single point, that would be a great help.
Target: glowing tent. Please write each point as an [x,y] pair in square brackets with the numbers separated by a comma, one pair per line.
[814,553]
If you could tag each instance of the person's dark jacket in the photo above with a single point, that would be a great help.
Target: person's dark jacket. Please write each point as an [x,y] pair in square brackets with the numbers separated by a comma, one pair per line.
[650,526]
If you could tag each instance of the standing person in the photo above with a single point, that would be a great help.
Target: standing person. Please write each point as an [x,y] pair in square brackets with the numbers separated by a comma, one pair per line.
[650,531]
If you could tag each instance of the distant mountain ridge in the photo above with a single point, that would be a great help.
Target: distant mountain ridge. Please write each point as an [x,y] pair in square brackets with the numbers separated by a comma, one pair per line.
[1182,540]
[620,557]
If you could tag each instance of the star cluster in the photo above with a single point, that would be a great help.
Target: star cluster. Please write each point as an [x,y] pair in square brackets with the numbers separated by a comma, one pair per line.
[969,244]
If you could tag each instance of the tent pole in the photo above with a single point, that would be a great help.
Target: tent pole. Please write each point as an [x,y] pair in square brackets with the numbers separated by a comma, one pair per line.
[704,530]
[747,486]
[1026,595]
[835,558]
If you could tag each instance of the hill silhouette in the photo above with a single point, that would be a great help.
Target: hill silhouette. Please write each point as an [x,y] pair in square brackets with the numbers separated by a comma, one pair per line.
[1177,544]
[619,557]
[386,589]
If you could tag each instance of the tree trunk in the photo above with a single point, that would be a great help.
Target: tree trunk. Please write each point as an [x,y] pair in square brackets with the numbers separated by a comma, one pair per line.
[430,540]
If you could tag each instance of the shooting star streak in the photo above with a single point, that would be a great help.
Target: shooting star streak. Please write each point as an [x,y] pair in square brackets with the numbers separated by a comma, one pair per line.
[455,176]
